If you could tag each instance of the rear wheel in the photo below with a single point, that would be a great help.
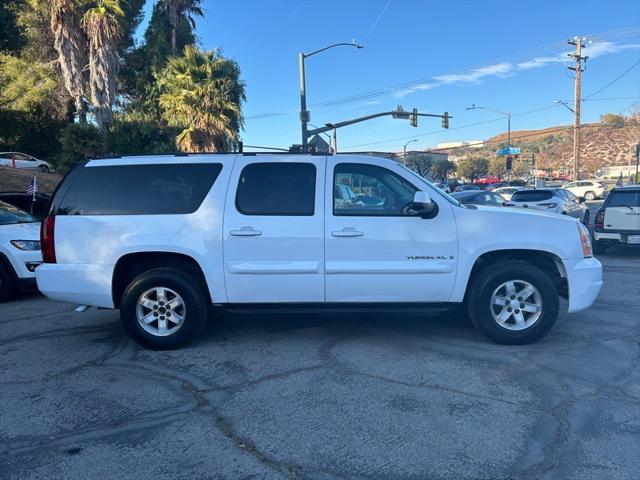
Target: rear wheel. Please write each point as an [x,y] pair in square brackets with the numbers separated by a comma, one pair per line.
[513,303]
[164,308]
[7,285]
[590,196]
[44,169]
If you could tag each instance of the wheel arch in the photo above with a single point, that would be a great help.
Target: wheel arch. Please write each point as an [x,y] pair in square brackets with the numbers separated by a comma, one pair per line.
[548,262]
[133,264]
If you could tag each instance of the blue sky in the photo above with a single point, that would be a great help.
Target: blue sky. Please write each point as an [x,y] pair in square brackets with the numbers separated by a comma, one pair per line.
[507,55]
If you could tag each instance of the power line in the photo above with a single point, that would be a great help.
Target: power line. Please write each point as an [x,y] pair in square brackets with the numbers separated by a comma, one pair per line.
[635,64]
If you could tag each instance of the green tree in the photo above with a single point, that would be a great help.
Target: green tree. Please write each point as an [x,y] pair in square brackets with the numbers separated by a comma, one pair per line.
[103,30]
[441,169]
[472,168]
[11,37]
[419,162]
[180,11]
[201,92]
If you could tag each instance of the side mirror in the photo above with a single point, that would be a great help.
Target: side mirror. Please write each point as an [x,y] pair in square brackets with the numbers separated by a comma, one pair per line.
[423,205]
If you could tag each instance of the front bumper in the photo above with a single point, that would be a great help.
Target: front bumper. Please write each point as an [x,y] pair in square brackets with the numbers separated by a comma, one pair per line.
[584,277]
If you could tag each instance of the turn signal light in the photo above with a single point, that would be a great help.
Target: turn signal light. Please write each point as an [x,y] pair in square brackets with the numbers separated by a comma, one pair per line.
[47,243]
[586,240]
[599,220]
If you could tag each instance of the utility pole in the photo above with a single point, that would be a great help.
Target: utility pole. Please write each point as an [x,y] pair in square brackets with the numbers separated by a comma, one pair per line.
[579,43]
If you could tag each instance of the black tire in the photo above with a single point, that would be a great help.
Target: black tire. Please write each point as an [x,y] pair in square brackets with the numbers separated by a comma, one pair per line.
[489,279]
[7,284]
[585,219]
[193,293]
[44,169]
[589,196]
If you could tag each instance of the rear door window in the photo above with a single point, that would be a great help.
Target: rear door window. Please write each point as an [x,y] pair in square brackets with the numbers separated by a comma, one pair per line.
[137,189]
[532,196]
[277,189]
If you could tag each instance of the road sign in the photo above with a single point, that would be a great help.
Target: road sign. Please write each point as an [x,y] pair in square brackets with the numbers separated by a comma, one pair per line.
[509,151]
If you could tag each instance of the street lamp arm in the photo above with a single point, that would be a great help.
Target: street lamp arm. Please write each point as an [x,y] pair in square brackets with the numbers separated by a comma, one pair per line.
[476,107]
[346,44]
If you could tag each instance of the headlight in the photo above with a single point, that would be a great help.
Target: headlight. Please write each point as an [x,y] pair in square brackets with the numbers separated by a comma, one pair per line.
[26,244]
[585,238]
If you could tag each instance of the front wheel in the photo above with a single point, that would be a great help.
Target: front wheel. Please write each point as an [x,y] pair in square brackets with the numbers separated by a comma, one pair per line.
[513,303]
[164,308]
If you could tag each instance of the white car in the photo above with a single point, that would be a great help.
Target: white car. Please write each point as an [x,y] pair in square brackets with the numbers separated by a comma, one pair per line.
[586,189]
[22,160]
[617,222]
[507,192]
[19,251]
[556,200]
[181,234]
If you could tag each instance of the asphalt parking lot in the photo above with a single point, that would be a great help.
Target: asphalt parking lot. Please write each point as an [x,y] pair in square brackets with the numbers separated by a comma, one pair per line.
[319,396]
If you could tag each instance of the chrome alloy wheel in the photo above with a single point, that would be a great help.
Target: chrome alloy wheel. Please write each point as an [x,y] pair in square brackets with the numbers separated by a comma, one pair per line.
[516,305]
[160,311]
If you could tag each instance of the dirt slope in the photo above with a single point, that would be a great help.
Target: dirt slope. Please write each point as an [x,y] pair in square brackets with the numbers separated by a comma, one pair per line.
[17,180]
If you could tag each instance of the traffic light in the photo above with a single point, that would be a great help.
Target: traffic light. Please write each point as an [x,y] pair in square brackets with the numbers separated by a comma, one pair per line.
[414,118]
[445,120]
[509,163]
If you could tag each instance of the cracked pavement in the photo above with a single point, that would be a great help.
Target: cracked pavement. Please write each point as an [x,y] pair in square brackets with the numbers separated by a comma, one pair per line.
[324,396]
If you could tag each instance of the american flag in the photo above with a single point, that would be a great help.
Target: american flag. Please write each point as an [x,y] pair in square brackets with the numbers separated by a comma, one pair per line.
[620,182]
[33,187]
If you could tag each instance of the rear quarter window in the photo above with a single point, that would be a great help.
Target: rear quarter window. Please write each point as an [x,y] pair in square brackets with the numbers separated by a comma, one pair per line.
[532,196]
[137,189]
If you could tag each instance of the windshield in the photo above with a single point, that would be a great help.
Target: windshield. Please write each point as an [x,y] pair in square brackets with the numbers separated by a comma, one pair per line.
[10,215]
[439,192]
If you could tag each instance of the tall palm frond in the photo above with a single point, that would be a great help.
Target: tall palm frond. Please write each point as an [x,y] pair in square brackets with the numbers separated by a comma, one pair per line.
[203,94]
[101,24]
[179,11]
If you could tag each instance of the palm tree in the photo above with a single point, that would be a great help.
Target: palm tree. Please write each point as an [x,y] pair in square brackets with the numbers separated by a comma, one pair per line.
[201,92]
[70,44]
[180,11]
[101,24]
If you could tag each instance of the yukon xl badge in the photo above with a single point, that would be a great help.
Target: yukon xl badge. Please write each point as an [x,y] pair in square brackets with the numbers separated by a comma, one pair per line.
[428,257]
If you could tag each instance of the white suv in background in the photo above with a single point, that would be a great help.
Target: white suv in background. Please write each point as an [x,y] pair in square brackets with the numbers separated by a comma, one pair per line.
[178,235]
[586,189]
[617,222]
[19,251]
[555,200]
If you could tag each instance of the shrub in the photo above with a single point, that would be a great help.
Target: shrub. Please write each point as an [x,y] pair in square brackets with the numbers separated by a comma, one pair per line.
[78,142]
[136,137]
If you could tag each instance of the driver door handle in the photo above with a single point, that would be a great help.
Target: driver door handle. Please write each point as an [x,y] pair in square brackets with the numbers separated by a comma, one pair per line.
[245,232]
[347,232]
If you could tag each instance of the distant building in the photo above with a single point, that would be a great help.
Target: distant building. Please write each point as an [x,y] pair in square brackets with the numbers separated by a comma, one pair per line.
[612,173]
[462,144]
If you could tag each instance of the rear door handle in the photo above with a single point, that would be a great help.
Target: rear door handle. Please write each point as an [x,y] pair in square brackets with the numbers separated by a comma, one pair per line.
[245,232]
[347,232]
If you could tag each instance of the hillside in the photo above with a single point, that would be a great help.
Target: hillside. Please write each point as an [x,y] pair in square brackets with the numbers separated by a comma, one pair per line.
[601,145]
[17,180]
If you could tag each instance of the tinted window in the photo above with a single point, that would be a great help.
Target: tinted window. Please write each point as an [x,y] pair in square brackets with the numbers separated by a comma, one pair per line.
[630,198]
[531,196]
[277,189]
[366,190]
[138,189]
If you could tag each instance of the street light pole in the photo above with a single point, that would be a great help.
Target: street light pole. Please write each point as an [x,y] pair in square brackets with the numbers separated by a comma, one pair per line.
[304,113]
[404,149]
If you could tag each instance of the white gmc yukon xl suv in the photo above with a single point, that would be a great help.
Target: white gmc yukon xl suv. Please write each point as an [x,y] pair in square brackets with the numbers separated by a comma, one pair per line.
[167,238]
